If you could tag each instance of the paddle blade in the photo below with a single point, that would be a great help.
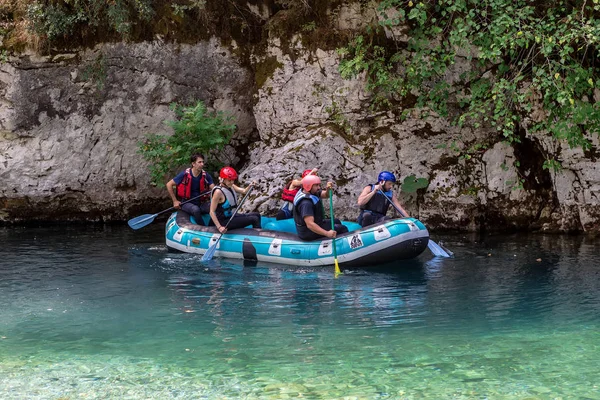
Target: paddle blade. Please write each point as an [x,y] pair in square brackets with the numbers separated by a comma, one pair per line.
[436,249]
[209,253]
[337,268]
[141,221]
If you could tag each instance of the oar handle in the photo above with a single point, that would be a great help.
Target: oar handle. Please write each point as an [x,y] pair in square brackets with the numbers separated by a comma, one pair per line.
[238,206]
[392,203]
[186,201]
[211,250]
[333,245]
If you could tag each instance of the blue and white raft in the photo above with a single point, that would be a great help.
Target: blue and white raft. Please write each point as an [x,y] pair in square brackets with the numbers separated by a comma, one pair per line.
[277,242]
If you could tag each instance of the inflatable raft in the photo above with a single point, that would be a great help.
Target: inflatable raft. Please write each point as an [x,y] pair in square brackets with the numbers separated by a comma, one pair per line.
[396,239]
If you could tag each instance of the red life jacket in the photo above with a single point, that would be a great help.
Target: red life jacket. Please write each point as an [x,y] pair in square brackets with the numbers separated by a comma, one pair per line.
[289,194]
[184,189]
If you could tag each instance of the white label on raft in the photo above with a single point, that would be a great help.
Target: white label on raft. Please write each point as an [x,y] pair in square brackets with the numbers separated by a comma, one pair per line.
[275,248]
[381,232]
[177,236]
[213,239]
[171,219]
[170,226]
[355,241]
[325,248]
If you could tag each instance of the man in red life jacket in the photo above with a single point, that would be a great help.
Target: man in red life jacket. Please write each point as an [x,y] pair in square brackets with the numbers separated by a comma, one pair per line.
[189,184]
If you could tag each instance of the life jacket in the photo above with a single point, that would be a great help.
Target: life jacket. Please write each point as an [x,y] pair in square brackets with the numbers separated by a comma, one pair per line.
[226,208]
[378,203]
[289,194]
[318,209]
[184,189]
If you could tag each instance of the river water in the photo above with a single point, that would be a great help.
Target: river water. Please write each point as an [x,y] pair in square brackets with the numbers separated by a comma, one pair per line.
[89,312]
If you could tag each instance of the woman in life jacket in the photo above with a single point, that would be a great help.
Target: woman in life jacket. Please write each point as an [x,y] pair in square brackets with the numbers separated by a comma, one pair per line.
[290,191]
[224,201]
[373,204]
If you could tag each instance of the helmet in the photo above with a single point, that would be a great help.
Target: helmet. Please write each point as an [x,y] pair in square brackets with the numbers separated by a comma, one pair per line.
[228,173]
[307,171]
[309,181]
[386,176]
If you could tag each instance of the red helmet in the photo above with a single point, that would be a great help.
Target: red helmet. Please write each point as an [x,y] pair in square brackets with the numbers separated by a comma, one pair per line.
[307,171]
[309,181]
[228,173]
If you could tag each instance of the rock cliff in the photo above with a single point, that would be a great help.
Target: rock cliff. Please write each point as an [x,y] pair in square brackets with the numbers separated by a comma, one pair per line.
[70,126]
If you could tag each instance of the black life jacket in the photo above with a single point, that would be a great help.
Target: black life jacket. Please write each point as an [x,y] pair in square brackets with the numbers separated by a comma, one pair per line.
[317,208]
[378,203]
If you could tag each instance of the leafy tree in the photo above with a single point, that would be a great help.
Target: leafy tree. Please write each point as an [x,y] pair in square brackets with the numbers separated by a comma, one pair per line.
[529,58]
[195,130]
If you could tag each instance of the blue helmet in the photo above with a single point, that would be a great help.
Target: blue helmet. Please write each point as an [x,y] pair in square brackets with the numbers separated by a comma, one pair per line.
[386,176]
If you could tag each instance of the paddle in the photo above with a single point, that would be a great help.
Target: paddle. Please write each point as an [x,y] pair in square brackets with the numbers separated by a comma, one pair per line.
[337,267]
[211,250]
[146,219]
[433,246]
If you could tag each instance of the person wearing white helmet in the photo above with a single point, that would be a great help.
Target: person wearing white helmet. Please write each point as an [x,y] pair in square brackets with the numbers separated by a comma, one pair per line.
[373,204]
[308,211]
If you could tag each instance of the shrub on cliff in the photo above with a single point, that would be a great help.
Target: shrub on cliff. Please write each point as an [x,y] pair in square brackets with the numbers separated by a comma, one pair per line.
[195,130]
[529,59]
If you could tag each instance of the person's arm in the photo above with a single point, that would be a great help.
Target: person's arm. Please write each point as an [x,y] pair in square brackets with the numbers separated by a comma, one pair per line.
[309,220]
[325,192]
[214,202]
[397,204]
[298,182]
[243,191]
[210,181]
[170,185]
[367,194]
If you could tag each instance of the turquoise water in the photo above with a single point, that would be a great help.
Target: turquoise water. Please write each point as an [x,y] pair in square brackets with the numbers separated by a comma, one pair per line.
[106,312]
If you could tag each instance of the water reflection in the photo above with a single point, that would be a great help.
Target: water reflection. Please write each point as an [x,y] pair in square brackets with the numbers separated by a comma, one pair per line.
[497,284]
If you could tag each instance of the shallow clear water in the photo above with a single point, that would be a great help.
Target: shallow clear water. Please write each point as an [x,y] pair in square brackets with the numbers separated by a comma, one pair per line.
[106,312]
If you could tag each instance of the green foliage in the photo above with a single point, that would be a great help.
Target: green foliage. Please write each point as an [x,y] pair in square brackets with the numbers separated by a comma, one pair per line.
[552,164]
[195,130]
[96,72]
[4,56]
[309,27]
[336,115]
[524,54]
[62,18]
[411,184]
[181,9]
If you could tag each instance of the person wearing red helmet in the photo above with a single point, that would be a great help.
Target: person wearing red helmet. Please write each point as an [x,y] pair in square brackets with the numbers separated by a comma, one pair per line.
[373,206]
[289,193]
[224,202]
[308,211]
[189,184]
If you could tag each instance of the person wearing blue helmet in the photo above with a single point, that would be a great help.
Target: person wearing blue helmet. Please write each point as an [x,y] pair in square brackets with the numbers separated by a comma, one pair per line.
[373,205]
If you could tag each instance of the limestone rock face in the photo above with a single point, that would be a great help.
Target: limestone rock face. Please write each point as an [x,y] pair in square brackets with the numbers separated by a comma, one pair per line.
[70,125]
[308,116]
